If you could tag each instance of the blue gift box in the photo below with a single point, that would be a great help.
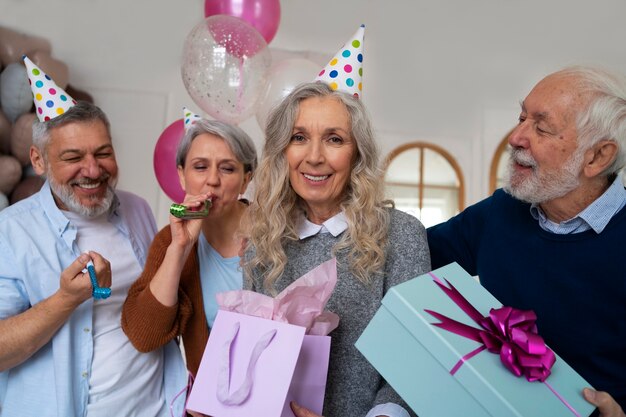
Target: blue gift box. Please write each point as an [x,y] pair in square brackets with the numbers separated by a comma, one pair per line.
[416,357]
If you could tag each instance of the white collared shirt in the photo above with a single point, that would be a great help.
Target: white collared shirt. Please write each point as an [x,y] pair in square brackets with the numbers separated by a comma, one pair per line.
[336,225]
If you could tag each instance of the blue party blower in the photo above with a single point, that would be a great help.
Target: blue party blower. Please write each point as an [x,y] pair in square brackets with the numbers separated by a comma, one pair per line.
[99,293]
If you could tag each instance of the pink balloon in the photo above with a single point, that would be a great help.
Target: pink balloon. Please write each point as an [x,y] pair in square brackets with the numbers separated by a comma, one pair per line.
[165,160]
[263,15]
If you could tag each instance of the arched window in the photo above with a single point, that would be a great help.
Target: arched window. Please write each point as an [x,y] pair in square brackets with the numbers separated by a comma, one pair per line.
[425,180]
[499,165]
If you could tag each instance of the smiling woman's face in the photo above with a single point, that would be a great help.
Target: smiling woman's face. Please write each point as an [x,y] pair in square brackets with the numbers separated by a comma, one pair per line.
[320,156]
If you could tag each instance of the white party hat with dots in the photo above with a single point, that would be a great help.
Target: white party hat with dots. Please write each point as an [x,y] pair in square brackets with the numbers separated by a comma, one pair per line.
[50,99]
[345,71]
[189,118]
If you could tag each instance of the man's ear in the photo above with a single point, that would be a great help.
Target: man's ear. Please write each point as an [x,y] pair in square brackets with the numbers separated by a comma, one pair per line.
[37,160]
[599,157]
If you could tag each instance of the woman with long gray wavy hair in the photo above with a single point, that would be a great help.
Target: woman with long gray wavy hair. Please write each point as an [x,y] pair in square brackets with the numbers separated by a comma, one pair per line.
[319,193]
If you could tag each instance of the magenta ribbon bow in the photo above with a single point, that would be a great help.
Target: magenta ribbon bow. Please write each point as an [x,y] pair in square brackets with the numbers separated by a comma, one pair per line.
[506,331]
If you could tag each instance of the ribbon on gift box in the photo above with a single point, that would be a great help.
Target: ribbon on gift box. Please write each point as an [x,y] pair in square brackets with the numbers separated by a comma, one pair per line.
[506,331]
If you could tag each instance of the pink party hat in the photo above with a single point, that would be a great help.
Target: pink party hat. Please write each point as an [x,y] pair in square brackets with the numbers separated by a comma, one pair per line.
[345,71]
[50,99]
[190,118]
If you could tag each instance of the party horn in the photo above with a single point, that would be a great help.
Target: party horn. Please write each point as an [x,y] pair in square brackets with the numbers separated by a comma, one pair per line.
[98,292]
[182,212]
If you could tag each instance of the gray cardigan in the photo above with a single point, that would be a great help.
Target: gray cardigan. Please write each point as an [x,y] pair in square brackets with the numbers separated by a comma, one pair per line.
[354,386]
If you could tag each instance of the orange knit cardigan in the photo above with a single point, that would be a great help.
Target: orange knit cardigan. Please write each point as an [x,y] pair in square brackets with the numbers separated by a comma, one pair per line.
[150,325]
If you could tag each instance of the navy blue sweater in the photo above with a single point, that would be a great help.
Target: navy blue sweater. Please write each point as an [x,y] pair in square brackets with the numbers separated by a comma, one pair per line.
[575,283]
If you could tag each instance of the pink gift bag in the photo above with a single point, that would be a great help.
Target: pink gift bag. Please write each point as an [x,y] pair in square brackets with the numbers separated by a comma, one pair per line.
[258,358]
[308,384]
[247,367]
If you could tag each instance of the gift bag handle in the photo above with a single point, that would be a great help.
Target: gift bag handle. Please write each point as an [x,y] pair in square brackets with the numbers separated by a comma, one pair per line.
[223,377]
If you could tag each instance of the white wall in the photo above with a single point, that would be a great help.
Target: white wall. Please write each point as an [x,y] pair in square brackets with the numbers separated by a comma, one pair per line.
[447,72]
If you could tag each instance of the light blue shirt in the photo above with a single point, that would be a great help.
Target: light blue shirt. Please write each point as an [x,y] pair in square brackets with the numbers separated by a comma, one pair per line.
[217,274]
[37,242]
[595,216]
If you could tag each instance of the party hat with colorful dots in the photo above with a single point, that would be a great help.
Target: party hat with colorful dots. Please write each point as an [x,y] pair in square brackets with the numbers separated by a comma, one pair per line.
[50,99]
[190,118]
[345,71]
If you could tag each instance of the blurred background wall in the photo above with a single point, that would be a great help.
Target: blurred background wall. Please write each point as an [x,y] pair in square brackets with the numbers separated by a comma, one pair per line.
[450,73]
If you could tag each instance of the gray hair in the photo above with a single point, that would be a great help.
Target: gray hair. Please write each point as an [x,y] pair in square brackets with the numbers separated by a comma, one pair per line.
[237,140]
[605,115]
[280,124]
[81,112]
[273,215]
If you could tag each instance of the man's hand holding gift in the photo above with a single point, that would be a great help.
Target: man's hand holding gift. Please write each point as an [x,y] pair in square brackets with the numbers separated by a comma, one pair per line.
[605,403]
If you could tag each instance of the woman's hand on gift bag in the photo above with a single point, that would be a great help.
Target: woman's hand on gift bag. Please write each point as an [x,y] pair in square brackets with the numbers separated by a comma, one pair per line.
[605,403]
[196,414]
[300,411]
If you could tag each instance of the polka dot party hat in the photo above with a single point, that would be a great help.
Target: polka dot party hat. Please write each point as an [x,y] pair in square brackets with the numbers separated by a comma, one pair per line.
[345,71]
[189,118]
[50,99]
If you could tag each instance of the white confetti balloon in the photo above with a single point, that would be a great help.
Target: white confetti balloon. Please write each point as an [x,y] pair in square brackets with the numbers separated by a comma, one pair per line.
[225,67]
[284,77]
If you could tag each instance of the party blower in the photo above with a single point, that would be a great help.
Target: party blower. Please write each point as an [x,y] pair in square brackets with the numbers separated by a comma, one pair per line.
[99,293]
[182,212]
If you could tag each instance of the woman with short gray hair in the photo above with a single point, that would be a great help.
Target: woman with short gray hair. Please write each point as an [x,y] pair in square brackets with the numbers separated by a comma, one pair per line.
[192,259]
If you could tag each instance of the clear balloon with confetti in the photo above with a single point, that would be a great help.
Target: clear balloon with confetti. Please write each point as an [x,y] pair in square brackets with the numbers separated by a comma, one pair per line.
[225,67]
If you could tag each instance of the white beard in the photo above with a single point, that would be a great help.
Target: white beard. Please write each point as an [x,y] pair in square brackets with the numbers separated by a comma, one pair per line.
[65,193]
[543,186]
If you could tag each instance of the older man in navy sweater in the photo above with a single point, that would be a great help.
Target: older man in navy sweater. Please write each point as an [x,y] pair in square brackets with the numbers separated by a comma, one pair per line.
[552,240]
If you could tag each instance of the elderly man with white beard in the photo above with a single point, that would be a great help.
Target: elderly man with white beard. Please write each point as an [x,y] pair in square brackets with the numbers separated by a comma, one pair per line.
[552,240]
[62,349]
